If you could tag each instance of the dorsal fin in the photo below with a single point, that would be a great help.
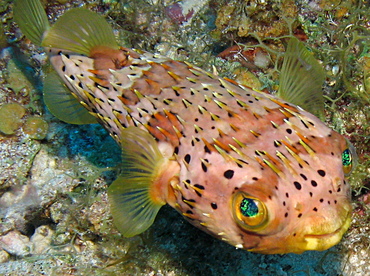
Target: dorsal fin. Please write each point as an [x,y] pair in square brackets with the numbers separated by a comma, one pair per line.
[80,30]
[62,104]
[301,78]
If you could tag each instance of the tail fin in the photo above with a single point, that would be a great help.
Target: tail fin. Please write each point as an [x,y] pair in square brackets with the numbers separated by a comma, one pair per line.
[78,30]
[31,19]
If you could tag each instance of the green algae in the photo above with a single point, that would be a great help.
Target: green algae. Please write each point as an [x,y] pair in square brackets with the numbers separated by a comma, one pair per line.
[11,117]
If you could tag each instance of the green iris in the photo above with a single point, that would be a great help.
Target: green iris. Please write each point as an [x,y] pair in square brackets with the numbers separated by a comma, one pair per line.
[346,158]
[248,207]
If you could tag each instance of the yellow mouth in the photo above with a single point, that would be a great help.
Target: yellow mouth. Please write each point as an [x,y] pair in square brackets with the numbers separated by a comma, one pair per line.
[323,236]
[325,241]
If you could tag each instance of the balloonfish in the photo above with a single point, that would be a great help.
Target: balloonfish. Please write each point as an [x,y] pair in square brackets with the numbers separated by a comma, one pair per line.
[253,169]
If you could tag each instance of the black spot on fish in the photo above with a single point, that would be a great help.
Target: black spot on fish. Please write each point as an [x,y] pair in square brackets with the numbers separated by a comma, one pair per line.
[64,68]
[311,194]
[167,101]
[314,209]
[303,176]
[199,186]
[206,149]
[297,185]
[321,173]
[176,92]
[72,77]
[284,203]
[214,205]
[255,178]
[187,158]
[204,167]
[187,202]
[277,143]
[176,150]
[299,215]
[321,200]
[189,212]
[287,195]
[229,174]
[250,101]
[313,183]
[286,215]
[239,104]
[289,131]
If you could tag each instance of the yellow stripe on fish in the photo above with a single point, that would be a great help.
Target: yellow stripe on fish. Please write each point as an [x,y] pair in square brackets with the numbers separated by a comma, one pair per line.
[252,169]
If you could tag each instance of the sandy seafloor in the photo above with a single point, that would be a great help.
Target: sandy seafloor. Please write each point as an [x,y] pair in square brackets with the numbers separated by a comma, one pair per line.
[54,215]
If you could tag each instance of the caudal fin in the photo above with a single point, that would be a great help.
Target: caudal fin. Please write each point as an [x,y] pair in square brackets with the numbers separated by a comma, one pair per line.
[78,30]
[31,19]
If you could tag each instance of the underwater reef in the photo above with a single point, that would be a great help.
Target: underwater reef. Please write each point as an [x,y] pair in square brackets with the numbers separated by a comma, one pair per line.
[54,211]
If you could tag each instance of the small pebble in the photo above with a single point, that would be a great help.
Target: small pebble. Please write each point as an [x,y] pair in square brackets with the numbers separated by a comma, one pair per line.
[36,128]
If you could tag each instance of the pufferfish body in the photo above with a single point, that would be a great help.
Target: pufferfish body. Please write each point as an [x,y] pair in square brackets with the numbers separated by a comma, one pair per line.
[247,167]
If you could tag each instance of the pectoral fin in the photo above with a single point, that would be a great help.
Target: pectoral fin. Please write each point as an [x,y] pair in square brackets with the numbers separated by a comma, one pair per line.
[142,188]
[62,104]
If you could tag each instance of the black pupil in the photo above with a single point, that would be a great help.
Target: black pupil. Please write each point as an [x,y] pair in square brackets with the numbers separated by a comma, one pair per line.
[346,158]
[248,207]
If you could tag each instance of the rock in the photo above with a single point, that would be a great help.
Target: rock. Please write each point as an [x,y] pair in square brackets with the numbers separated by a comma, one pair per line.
[16,244]
[41,239]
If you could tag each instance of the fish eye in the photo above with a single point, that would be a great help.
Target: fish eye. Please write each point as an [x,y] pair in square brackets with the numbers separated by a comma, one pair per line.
[249,212]
[349,159]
